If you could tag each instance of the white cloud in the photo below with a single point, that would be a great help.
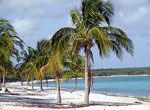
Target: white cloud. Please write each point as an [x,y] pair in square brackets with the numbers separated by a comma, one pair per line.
[132,16]
[19,5]
[130,2]
[37,12]
[25,26]
[137,16]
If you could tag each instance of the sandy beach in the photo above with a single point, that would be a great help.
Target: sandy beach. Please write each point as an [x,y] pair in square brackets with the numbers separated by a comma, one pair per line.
[23,98]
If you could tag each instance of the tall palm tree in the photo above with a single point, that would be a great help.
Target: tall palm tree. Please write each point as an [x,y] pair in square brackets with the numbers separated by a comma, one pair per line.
[9,40]
[89,31]
[56,55]
[3,55]
[43,50]
[31,69]
[56,69]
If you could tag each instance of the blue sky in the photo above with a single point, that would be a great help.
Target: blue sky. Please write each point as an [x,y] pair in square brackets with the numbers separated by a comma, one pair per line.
[35,20]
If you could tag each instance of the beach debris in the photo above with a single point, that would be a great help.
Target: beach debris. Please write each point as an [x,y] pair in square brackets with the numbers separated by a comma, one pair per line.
[5,90]
[138,102]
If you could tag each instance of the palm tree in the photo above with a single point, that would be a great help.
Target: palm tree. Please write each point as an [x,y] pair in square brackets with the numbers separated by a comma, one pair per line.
[56,55]
[43,50]
[89,31]
[56,69]
[72,73]
[74,65]
[33,60]
[30,66]
[9,40]
[26,68]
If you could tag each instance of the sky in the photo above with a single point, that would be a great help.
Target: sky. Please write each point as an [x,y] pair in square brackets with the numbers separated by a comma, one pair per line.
[35,20]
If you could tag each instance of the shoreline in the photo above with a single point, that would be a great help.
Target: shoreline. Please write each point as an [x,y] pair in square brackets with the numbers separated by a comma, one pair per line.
[92,91]
[93,77]
[110,94]
[107,94]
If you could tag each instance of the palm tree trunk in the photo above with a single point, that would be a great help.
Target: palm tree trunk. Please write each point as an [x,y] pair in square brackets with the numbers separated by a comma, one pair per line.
[86,98]
[22,84]
[4,74]
[47,83]
[58,89]
[32,85]
[41,87]
[75,84]
[0,83]
[89,87]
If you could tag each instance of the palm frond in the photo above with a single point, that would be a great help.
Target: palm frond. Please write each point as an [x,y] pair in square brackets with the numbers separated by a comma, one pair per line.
[120,37]
[102,41]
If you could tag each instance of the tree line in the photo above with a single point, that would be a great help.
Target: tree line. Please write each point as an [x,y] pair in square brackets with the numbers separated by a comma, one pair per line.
[122,71]
[96,72]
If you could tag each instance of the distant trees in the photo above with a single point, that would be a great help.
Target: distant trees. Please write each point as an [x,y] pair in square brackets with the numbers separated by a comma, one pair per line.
[122,71]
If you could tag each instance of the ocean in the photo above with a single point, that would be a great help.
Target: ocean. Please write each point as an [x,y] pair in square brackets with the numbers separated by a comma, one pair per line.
[133,86]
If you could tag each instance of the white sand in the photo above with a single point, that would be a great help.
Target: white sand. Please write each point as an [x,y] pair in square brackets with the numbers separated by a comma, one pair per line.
[22,98]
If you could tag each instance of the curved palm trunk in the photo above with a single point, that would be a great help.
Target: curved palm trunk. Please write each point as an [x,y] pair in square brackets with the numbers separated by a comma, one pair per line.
[32,86]
[58,89]
[75,85]
[41,86]
[86,98]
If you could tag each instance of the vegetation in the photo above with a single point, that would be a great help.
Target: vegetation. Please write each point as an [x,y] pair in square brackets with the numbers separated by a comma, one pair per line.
[98,72]
[122,71]
[89,31]
[8,42]
[32,62]
[74,71]
[59,57]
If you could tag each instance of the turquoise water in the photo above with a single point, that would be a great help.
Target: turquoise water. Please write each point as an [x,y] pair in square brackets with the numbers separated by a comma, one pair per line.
[136,86]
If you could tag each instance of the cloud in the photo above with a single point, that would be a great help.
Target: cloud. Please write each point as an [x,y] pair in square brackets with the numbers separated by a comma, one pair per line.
[132,16]
[33,19]
[137,15]
[37,13]
[21,5]
[25,26]
[35,8]
[69,22]
[130,2]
